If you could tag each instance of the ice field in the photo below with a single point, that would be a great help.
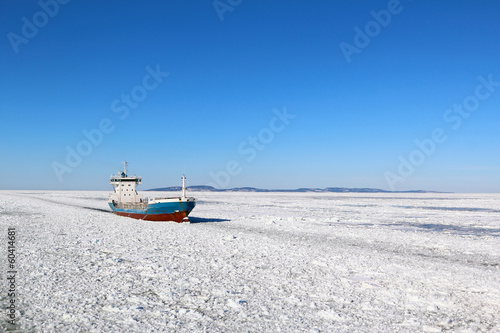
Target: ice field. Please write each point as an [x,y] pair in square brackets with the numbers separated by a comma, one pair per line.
[257,262]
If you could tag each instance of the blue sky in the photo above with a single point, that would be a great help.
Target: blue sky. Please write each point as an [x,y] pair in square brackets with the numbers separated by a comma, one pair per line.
[275,72]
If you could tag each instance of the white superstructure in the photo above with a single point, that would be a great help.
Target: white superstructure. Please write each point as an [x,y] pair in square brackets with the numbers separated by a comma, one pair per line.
[125,187]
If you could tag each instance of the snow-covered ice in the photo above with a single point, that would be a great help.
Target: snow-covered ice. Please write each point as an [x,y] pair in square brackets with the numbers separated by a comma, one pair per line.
[257,262]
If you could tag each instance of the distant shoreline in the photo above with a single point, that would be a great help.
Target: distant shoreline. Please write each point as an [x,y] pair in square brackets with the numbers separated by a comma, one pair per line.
[206,188]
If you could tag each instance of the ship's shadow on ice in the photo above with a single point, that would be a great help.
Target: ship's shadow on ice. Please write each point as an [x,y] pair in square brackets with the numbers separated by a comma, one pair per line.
[99,209]
[193,219]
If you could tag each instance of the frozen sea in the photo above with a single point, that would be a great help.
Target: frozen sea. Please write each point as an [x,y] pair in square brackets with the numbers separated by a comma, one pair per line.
[256,262]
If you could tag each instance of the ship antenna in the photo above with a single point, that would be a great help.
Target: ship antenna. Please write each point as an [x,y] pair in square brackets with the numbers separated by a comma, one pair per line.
[125,168]
[183,186]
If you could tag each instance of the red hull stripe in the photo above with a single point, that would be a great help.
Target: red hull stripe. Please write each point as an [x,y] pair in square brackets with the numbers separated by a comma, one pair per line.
[175,217]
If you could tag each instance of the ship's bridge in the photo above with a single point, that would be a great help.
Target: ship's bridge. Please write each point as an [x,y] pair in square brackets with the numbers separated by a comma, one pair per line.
[118,179]
[124,186]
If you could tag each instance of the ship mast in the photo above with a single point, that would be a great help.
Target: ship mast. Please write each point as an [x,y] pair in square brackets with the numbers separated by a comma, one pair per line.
[183,186]
[125,168]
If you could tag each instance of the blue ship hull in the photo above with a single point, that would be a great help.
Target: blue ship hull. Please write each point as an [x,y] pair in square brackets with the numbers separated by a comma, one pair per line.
[171,210]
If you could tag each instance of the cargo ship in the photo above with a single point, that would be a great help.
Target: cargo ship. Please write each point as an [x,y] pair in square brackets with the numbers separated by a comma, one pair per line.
[125,201]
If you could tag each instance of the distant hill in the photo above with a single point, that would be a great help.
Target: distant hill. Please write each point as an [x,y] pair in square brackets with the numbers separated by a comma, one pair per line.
[205,188]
